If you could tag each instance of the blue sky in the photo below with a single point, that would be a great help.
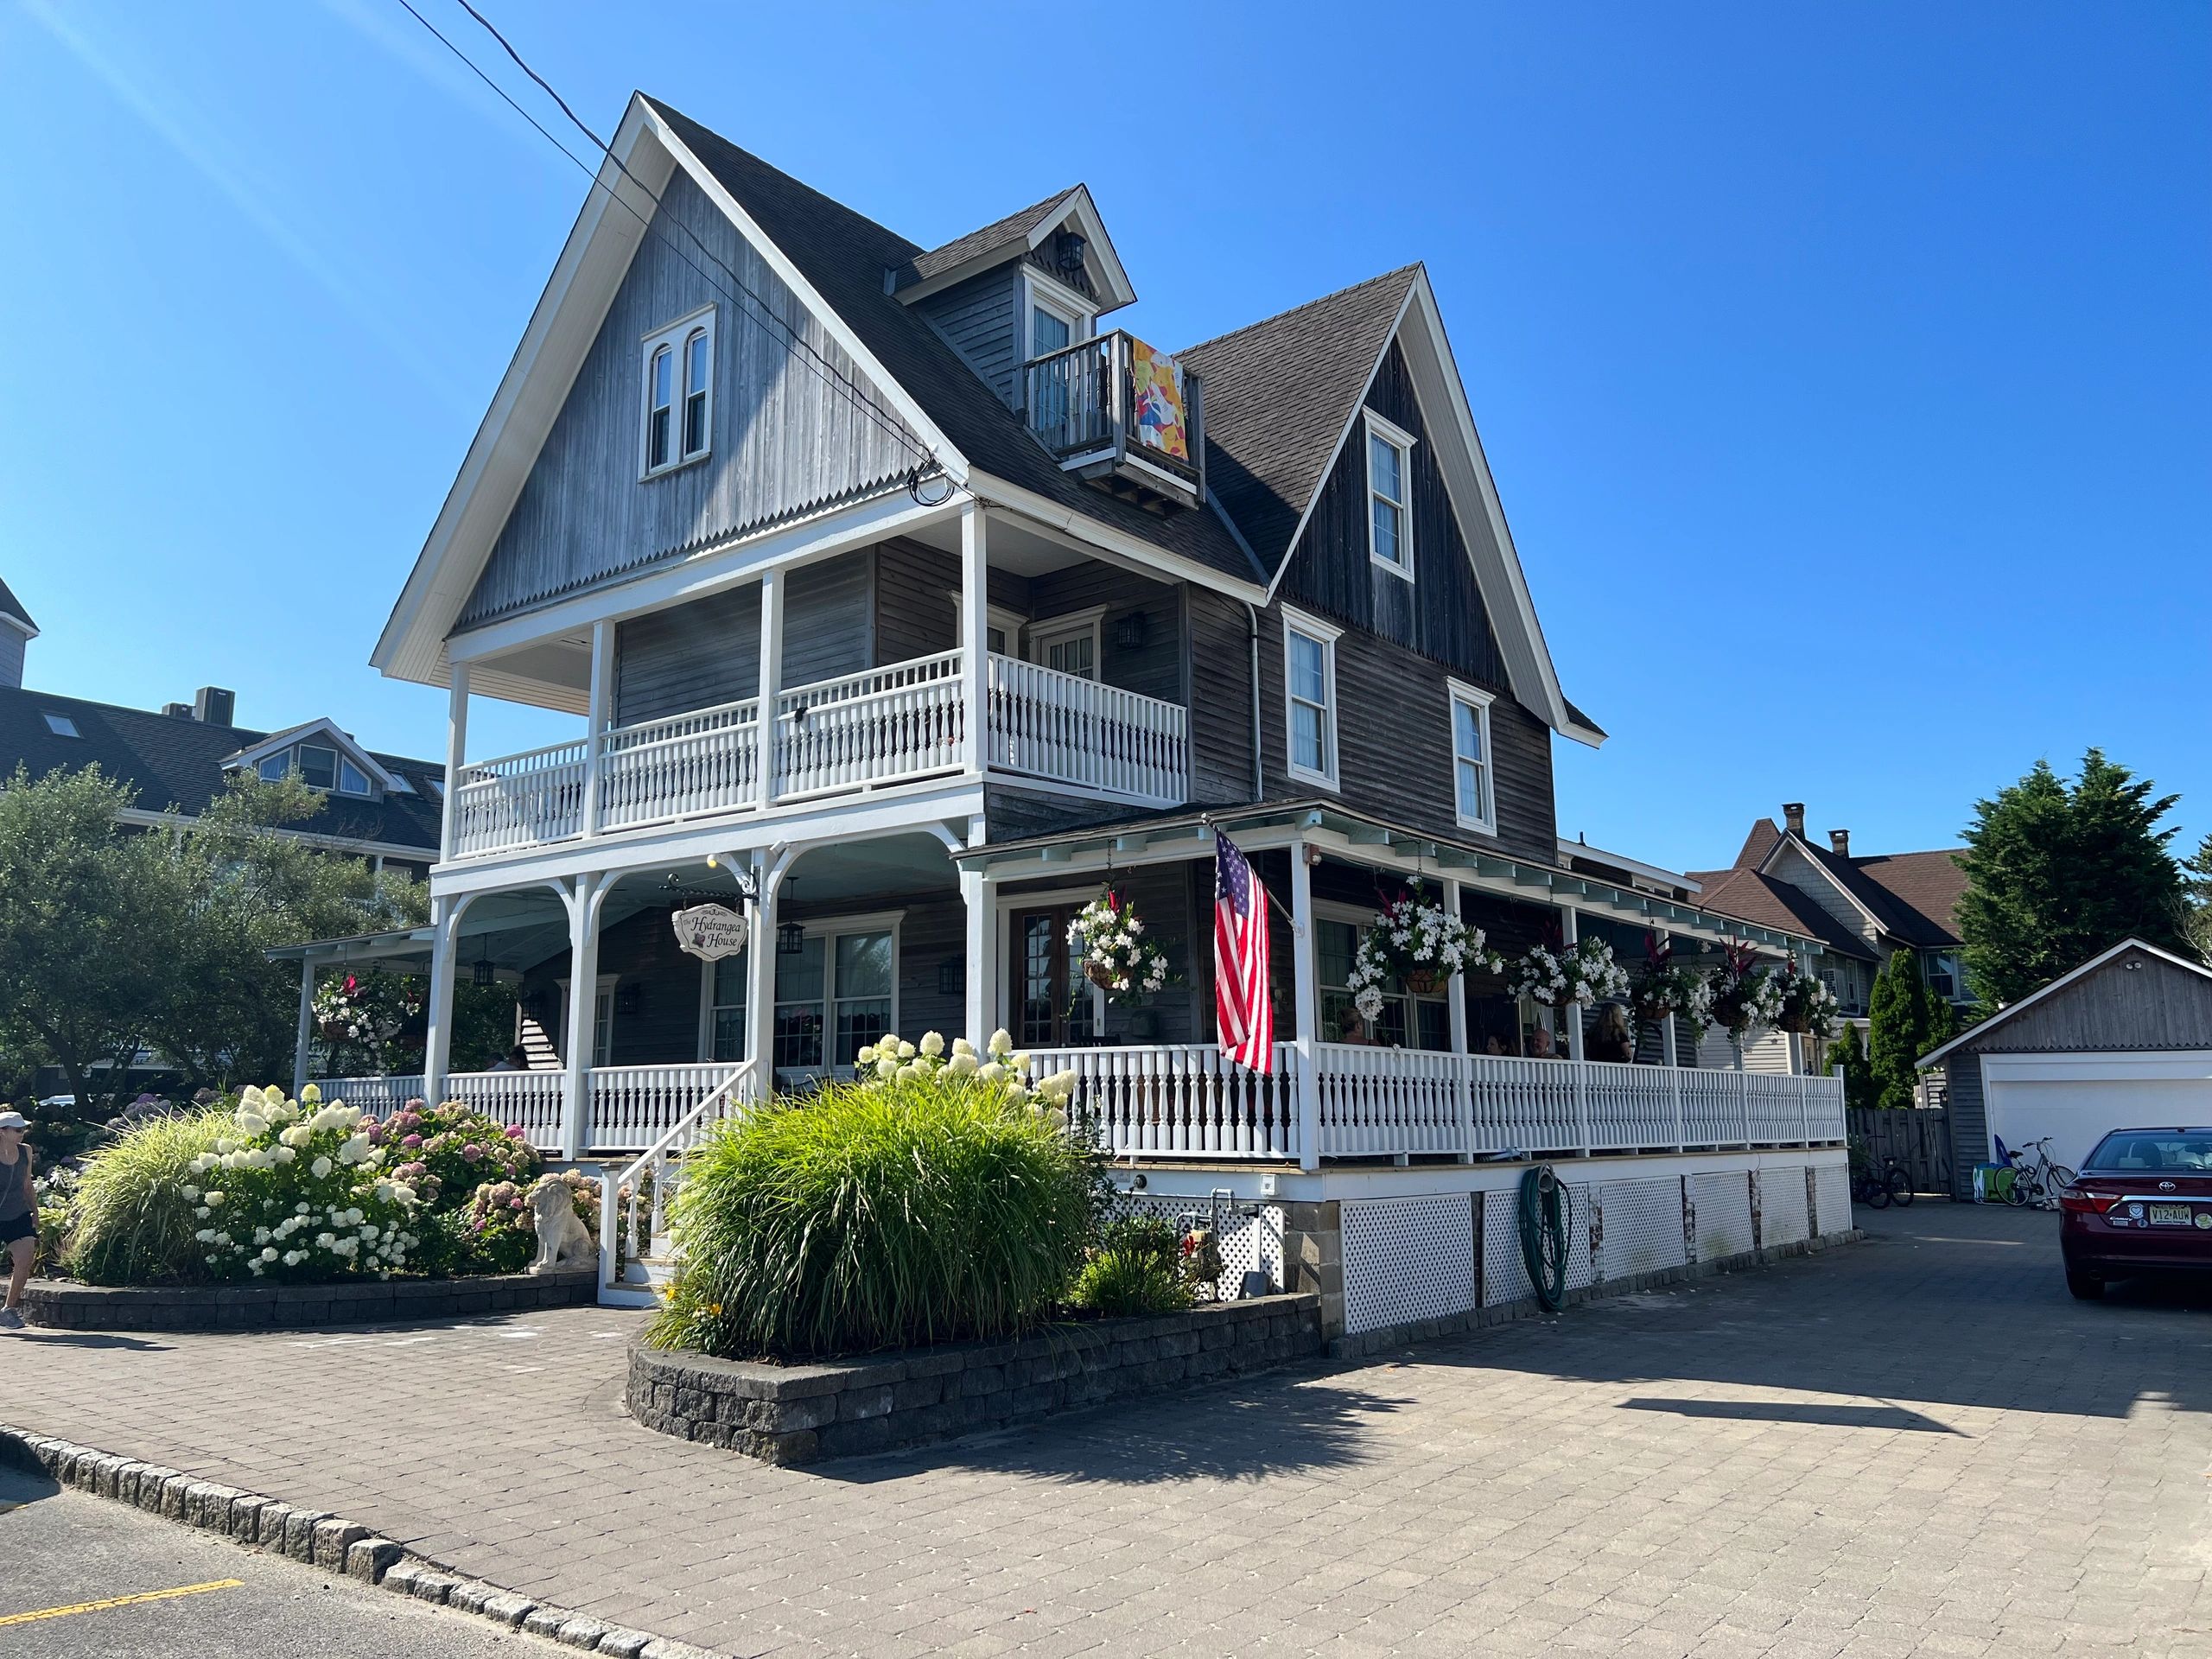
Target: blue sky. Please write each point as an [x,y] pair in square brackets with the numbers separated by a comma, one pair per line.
[1843,369]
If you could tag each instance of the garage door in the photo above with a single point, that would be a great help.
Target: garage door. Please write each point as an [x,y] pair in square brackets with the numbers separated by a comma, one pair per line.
[2077,1099]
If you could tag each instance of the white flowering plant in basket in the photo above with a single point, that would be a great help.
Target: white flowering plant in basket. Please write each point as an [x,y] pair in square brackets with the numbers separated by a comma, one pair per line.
[1664,988]
[299,1192]
[1117,956]
[1808,1005]
[1746,998]
[1415,941]
[890,1060]
[1582,975]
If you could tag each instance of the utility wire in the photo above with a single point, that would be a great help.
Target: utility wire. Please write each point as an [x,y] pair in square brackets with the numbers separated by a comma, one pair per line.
[762,315]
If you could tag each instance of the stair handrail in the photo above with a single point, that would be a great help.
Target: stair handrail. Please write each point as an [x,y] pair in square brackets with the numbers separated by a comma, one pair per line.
[610,1186]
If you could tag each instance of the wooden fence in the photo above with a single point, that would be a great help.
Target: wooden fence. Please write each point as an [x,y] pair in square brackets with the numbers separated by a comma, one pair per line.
[1920,1140]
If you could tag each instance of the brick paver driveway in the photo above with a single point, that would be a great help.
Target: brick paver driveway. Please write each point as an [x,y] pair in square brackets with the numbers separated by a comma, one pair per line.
[1915,1445]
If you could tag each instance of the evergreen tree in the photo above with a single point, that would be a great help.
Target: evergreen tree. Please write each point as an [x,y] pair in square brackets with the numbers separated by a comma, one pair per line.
[2198,927]
[2057,873]
[1897,1013]
[1848,1053]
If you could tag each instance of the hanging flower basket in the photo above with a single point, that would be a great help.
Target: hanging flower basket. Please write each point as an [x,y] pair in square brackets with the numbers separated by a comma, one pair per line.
[1746,998]
[1808,1007]
[1579,976]
[375,1014]
[1418,944]
[1117,956]
[1664,990]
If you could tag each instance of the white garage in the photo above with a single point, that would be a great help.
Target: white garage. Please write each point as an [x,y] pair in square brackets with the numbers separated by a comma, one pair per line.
[2123,1042]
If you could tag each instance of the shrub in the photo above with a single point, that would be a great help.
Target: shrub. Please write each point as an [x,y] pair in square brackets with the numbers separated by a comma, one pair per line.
[932,1204]
[129,1221]
[1142,1236]
[448,1152]
[497,1232]
[1120,1281]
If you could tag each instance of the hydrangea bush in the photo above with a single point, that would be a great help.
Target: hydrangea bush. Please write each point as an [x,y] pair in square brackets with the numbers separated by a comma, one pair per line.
[300,1191]
[1117,957]
[1580,975]
[448,1152]
[1420,942]
[891,1059]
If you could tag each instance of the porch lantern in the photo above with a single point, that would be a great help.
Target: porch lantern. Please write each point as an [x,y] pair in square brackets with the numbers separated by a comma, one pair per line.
[790,938]
[483,969]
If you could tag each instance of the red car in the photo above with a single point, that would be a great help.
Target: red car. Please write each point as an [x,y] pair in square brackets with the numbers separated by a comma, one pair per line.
[2142,1204]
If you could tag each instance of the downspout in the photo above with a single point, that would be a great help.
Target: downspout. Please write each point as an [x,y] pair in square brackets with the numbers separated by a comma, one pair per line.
[1252,636]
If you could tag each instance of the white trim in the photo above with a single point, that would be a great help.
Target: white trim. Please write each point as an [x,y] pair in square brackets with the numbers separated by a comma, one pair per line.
[1326,635]
[1789,838]
[1091,536]
[2110,1066]
[676,338]
[1076,204]
[1460,692]
[1045,631]
[19,625]
[1040,293]
[830,929]
[1972,1032]
[1396,438]
[255,753]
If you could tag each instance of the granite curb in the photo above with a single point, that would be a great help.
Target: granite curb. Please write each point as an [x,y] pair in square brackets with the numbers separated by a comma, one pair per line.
[328,1542]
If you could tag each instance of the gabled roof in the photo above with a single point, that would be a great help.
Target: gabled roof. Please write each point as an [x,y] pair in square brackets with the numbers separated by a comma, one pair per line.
[1892,912]
[180,763]
[1278,396]
[11,610]
[1776,904]
[324,730]
[1757,844]
[1021,231]
[1929,887]
[1980,1029]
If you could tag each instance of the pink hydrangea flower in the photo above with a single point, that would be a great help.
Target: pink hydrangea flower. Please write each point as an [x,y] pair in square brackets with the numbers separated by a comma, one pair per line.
[412,1142]
[515,1131]
[472,1153]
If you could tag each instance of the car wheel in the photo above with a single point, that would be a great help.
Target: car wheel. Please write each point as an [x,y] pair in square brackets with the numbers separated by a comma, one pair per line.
[2086,1286]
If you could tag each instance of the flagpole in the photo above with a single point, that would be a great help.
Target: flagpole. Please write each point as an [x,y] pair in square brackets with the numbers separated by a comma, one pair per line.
[1206,819]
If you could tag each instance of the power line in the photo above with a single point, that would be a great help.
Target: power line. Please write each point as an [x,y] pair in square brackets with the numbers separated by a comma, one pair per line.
[762,315]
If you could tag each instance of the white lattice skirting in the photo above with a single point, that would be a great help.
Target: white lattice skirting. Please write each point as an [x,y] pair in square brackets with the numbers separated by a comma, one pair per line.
[1407,1260]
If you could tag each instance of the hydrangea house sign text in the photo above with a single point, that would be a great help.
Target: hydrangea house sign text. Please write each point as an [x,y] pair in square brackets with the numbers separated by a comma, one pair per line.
[710,932]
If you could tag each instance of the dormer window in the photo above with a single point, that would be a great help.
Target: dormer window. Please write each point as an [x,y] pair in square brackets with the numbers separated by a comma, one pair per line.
[318,766]
[1390,496]
[680,410]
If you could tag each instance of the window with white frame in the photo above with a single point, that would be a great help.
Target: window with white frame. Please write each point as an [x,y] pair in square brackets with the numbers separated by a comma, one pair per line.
[725,1036]
[1309,666]
[679,412]
[1390,496]
[1472,798]
[318,766]
[1068,644]
[834,995]
[1406,1021]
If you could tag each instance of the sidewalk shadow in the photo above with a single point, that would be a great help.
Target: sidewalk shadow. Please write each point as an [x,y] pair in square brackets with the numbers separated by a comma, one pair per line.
[1297,1422]
[91,1339]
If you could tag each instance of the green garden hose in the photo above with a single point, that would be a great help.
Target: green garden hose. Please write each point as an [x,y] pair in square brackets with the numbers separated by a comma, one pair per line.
[1545,1208]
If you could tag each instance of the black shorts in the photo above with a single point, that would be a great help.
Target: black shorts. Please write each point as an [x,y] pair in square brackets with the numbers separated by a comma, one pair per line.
[20,1227]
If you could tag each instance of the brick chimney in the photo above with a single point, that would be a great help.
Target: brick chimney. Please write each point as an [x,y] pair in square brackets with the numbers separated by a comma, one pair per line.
[1839,842]
[1793,816]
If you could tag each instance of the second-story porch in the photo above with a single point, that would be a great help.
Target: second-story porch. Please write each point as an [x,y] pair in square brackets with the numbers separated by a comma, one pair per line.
[1049,670]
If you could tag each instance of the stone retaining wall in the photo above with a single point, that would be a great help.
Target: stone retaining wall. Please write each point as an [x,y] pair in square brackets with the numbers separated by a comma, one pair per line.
[66,1306]
[795,1414]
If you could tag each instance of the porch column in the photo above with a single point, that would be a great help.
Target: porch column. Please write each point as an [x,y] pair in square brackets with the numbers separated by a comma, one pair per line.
[457,758]
[1463,1080]
[1669,1059]
[974,640]
[772,680]
[760,981]
[437,1041]
[1569,932]
[305,1026]
[1307,1001]
[980,892]
[582,902]
[603,705]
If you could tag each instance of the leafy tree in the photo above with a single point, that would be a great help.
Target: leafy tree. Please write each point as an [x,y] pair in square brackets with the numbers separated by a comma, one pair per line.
[1849,1054]
[2056,873]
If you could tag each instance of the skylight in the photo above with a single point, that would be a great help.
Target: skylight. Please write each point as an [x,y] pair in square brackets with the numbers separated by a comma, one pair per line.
[60,725]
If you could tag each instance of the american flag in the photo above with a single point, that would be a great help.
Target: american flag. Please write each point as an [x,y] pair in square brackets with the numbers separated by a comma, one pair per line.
[1245,1017]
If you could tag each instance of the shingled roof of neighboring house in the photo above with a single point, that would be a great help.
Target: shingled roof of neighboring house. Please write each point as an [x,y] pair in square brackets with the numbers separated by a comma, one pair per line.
[1916,895]
[12,607]
[1278,396]
[1013,227]
[843,254]
[1771,903]
[178,763]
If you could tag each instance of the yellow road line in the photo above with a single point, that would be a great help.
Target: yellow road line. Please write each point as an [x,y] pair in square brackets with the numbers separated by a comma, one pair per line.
[122,1601]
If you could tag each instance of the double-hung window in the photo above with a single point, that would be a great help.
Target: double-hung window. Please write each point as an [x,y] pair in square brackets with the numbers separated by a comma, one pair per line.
[725,1034]
[1309,662]
[1390,496]
[1474,798]
[679,411]
[1405,1021]
[834,997]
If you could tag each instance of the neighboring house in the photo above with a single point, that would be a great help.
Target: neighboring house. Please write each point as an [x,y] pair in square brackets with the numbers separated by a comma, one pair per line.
[2123,1042]
[907,602]
[1863,907]
[383,808]
[16,631]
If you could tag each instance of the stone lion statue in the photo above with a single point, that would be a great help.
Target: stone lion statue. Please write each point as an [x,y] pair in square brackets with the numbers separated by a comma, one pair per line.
[561,1240]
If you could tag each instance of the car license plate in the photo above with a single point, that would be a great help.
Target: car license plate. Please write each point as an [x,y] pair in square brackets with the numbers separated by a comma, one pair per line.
[2169,1214]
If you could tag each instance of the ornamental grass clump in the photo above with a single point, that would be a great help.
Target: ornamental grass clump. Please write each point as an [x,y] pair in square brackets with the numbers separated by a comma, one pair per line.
[932,1204]
[129,1221]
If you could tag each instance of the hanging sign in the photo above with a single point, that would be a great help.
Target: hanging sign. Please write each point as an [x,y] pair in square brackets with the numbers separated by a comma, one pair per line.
[710,932]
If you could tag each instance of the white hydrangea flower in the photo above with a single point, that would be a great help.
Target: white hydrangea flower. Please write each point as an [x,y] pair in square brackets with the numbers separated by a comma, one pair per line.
[964,1065]
[995,1072]
[1002,1042]
[933,1044]
[866,1057]
[321,1167]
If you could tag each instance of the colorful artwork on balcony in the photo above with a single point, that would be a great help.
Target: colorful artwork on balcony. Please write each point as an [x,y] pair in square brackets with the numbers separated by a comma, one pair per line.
[1156,383]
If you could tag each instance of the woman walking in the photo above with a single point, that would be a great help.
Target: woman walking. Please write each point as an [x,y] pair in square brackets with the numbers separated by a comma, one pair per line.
[18,1214]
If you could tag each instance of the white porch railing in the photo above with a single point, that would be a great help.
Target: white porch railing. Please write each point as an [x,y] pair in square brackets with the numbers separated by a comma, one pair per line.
[685,765]
[378,1097]
[520,800]
[632,1106]
[872,727]
[634,1202]
[1048,724]
[1184,1101]
[532,1099]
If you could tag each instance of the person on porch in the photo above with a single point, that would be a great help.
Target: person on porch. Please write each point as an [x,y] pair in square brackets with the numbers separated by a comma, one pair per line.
[1539,1045]
[1609,1037]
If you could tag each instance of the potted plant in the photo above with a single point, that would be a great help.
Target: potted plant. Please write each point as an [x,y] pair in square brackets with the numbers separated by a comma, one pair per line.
[1747,999]
[374,1011]
[1117,957]
[1663,990]
[1808,1005]
[1417,942]
[1579,975]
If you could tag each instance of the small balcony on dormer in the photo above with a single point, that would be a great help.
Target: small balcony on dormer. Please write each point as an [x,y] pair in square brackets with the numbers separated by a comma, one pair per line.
[1121,414]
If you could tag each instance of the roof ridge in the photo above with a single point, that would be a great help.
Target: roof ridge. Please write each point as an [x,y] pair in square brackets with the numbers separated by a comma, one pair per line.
[1288,311]
[1036,206]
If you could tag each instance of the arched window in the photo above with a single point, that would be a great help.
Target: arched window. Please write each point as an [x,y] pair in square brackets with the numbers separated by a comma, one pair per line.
[660,380]
[679,402]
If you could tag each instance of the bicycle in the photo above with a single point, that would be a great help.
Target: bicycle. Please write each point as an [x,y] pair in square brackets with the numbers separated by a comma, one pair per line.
[2035,1181]
[1879,1189]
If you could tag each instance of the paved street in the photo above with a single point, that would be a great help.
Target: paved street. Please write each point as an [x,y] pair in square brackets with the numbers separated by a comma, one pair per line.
[1919,1444]
[98,1580]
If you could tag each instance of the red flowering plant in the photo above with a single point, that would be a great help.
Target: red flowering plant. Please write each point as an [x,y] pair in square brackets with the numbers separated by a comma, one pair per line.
[372,1021]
